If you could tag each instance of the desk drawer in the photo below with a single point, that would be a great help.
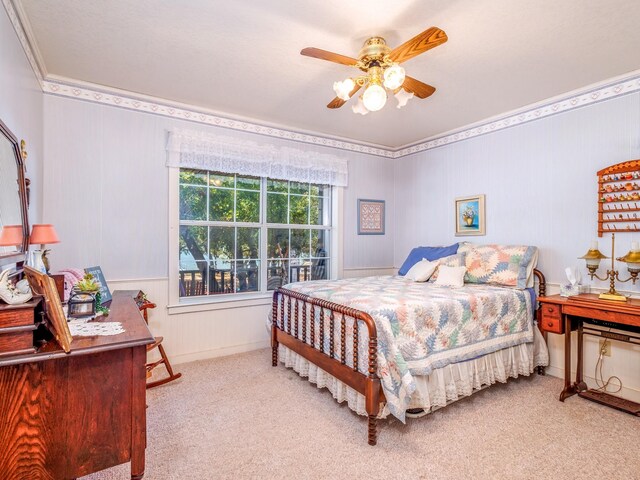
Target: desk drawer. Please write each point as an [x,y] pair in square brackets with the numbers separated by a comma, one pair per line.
[17,342]
[551,319]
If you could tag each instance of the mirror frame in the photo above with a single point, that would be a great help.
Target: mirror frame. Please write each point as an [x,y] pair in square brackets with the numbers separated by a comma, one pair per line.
[19,256]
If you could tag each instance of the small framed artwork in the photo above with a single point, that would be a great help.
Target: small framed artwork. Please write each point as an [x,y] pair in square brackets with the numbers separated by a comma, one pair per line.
[370,217]
[470,216]
[98,276]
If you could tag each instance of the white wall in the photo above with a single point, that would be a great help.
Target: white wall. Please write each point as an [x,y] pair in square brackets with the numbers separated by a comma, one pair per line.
[21,107]
[106,191]
[540,184]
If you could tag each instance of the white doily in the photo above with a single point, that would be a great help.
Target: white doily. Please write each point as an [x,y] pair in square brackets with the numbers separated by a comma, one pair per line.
[83,328]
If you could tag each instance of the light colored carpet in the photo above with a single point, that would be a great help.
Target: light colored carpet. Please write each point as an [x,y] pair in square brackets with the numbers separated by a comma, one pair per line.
[238,417]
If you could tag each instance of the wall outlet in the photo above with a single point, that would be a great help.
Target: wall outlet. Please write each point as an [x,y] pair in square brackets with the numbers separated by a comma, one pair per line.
[605,347]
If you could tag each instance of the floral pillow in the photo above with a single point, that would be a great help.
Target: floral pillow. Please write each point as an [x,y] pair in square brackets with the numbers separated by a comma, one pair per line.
[506,265]
[456,260]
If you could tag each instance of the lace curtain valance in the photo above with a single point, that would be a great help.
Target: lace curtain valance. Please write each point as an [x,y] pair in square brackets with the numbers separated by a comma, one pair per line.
[191,149]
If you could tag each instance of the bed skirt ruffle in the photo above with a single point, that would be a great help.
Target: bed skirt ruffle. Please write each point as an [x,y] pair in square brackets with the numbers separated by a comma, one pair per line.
[443,385]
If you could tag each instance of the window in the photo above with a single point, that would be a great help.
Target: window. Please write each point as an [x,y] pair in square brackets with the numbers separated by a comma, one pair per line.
[241,234]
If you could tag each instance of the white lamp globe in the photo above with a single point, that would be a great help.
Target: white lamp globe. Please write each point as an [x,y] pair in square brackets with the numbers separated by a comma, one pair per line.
[343,89]
[374,97]
[394,77]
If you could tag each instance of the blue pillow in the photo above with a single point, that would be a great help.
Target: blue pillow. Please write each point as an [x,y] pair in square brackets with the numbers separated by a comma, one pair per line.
[430,253]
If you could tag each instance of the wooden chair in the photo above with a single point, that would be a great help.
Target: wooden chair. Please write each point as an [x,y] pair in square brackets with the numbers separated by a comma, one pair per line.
[144,305]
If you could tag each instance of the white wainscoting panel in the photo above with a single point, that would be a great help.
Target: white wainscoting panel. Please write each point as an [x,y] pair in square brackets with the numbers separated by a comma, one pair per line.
[207,334]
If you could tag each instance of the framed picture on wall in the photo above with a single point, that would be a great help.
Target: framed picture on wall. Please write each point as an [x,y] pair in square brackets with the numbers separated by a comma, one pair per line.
[370,217]
[470,215]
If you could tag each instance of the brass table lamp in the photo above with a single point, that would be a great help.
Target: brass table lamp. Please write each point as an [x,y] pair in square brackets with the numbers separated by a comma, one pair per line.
[632,259]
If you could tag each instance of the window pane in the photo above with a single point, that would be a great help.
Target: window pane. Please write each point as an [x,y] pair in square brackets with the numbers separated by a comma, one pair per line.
[221,246]
[299,188]
[193,177]
[300,244]
[318,210]
[320,243]
[276,208]
[319,269]
[247,206]
[221,278]
[277,274]
[278,243]
[220,205]
[193,203]
[299,210]
[320,190]
[299,271]
[277,186]
[249,183]
[193,263]
[248,245]
[221,180]
[247,276]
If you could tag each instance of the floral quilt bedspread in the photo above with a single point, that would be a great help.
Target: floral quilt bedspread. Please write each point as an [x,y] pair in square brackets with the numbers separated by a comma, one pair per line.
[422,326]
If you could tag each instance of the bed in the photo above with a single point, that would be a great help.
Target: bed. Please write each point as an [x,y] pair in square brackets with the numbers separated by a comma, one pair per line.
[389,345]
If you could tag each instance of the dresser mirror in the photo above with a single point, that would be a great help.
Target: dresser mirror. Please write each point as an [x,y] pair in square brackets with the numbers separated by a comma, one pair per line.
[13,200]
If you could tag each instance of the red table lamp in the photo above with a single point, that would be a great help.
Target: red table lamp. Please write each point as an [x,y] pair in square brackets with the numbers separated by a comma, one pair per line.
[44,234]
[11,236]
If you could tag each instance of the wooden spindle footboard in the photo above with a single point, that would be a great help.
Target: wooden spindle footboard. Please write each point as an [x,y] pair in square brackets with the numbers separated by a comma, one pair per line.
[289,328]
[291,307]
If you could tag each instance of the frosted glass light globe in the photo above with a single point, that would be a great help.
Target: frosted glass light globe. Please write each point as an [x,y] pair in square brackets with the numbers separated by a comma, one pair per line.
[343,89]
[394,77]
[374,97]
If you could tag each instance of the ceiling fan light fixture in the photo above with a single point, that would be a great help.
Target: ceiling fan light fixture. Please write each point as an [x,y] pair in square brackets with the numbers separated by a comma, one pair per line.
[374,97]
[359,107]
[402,96]
[394,76]
[343,89]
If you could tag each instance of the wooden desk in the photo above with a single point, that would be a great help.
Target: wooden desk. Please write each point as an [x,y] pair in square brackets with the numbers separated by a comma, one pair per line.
[64,416]
[561,315]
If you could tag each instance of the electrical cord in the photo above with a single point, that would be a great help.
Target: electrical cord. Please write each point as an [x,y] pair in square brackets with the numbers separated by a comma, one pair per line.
[602,385]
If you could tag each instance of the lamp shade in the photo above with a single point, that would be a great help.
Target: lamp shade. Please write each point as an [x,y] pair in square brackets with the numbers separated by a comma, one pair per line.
[43,234]
[11,235]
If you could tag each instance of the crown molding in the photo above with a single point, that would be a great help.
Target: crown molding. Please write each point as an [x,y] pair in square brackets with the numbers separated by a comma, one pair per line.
[22,27]
[582,97]
[120,98]
[70,88]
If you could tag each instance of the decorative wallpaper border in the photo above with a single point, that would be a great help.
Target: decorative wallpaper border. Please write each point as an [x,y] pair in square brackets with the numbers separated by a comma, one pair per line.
[571,101]
[106,96]
[167,109]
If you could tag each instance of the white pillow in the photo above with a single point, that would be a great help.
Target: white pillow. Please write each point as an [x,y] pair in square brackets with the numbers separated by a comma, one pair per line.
[451,276]
[421,271]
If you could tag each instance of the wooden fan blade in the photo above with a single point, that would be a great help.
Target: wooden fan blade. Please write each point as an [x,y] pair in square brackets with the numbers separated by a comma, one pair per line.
[419,89]
[338,102]
[419,44]
[330,56]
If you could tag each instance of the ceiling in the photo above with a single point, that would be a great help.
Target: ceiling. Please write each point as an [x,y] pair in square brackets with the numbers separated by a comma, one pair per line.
[241,58]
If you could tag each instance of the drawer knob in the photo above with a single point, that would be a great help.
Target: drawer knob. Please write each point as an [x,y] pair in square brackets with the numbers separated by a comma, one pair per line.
[549,324]
[549,309]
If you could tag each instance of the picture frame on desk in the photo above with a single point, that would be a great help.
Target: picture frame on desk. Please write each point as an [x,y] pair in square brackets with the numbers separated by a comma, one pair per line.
[43,285]
[98,276]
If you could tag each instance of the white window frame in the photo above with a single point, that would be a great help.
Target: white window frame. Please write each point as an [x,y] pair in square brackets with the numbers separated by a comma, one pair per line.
[179,305]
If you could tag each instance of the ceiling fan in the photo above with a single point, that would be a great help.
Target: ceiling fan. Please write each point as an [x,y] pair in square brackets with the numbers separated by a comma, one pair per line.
[382,69]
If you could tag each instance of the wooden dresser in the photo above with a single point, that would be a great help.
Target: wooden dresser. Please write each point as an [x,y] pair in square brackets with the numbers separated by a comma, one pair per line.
[66,415]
